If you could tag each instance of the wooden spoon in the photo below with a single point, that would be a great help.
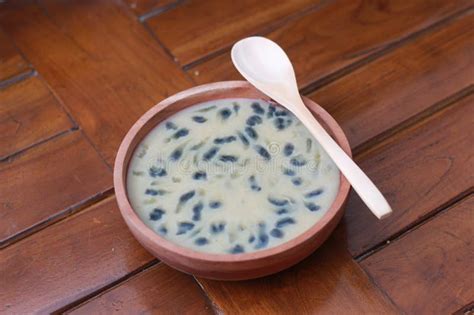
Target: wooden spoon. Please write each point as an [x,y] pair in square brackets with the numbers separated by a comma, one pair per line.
[267,67]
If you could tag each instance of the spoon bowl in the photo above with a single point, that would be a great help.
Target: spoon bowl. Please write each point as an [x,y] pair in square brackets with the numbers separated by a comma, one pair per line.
[267,67]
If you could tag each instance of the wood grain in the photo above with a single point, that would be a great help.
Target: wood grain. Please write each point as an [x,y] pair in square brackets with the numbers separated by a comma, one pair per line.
[403,83]
[339,34]
[328,282]
[101,62]
[29,113]
[48,180]
[141,7]
[418,170]
[197,28]
[68,261]
[159,290]
[11,62]
[430,270]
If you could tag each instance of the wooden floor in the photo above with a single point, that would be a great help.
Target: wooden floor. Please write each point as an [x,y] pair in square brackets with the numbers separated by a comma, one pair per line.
[75,75]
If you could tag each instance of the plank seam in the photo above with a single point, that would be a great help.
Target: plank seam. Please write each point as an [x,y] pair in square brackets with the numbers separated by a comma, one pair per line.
[215,307]
[12,156]
[465,310]
[155,12]
[17,78]
[377,140]
[58,217]
[379,288]
[101,291]
[168,52]
[417,224]
[261,32]
[387,48]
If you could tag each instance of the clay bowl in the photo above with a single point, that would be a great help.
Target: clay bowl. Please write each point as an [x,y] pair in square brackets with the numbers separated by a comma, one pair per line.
[223,266]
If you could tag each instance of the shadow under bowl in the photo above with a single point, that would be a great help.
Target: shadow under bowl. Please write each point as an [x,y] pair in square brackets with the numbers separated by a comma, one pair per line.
[223,266]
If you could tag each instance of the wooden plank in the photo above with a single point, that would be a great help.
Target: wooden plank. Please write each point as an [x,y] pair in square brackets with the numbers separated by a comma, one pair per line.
[328,282]
[29,114]
[198,28]
[141,7]
[101,62]
[68,261]
[334,36]
[419,170]
[159,290]
[403,83]
[48,180]
[430,270]
[11,62]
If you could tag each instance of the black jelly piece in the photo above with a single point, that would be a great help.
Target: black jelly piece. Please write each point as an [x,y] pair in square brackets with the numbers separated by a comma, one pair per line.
[282,211]
[228,158]
[276,233]
[255,187]
[181,133]
[151,192]
[277,202]
[289,172]
[263,152]
[176,154]
[199,119]
[279,123]
[225,113]
[171,125]
[242,138]
[197,209]
[200,241]
[271,111]
[184,227]
[288,149]
[157,171]
[282,112]
[210,153]
[251,132]
[156,214]
[251,238]
[284,222]
[217,227]
[262,241]
[257,108]
[200,175]
[163,230]
[224,140]
[312,206]
[236,107]
[313,193]
[215,204]
[253,184]
[185,197]
[207,109]
[254,120]
[237,249]
[298,161]
[297,181]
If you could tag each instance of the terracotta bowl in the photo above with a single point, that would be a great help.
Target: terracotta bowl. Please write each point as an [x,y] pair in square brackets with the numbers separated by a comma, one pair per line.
[223,266]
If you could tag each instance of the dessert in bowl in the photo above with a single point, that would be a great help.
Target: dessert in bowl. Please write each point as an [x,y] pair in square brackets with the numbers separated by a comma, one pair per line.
[221,182]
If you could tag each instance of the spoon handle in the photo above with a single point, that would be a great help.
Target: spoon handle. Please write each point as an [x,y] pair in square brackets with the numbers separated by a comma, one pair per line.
[361,183]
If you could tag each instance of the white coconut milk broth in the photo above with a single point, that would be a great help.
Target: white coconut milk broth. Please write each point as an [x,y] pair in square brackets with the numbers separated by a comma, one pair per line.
[231,176]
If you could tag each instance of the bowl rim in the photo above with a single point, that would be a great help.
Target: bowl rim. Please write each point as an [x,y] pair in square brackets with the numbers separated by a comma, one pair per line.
[136,225]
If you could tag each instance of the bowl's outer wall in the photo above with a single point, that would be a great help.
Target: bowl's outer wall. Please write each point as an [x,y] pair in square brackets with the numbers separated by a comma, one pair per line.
[223,267]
